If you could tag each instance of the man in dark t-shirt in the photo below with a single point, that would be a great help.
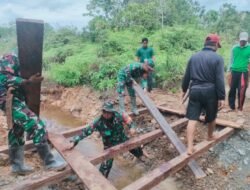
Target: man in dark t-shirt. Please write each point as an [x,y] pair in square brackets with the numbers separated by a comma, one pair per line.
[205,78]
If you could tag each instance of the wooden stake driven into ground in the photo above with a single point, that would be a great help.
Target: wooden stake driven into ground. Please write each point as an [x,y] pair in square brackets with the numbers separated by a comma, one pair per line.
[50,177]
[159,174]
[167,129]
[87,172]
[30,48]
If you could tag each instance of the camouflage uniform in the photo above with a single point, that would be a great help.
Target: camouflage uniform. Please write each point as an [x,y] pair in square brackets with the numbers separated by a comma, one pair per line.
[125,76]
[112,132]
[23,118]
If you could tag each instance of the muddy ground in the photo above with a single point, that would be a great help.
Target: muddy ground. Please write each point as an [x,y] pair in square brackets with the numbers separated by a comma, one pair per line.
[227,165]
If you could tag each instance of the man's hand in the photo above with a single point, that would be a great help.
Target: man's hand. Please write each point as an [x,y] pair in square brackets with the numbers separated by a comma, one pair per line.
[132,132]
[221,104]
[183,95]
[36,78]
[73,143]
[229,78]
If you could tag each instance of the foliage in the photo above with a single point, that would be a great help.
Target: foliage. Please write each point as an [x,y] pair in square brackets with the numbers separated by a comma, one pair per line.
[176,29]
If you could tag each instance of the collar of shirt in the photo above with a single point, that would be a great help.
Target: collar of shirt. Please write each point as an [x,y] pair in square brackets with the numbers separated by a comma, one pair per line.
[207,49]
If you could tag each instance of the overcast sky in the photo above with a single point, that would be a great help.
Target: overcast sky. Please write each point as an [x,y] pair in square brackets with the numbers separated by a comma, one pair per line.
[216,4]
[69,12]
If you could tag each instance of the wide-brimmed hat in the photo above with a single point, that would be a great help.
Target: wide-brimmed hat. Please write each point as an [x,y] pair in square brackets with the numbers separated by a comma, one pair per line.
[108,106]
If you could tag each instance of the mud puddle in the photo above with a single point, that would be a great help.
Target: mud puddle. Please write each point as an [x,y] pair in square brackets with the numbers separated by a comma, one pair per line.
[123,171]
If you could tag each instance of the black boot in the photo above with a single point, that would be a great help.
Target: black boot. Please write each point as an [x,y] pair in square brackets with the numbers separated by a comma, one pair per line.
[16,154]
[48,158]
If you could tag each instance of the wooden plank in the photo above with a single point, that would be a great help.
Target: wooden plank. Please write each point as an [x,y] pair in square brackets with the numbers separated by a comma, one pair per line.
[167,129]
[87,172]
[30,48]
[67,134]
[106,154]
[219,121]
[40,180]
[159,174]
[134,142]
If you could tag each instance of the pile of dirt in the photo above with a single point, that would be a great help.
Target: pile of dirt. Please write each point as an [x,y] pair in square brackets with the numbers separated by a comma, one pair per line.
[82,102]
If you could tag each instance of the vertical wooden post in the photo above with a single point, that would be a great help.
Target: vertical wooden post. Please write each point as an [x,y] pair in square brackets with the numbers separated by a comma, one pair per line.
[30,47]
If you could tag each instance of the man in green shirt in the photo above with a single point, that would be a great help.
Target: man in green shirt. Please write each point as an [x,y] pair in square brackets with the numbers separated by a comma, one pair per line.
[143,54]
[238,68]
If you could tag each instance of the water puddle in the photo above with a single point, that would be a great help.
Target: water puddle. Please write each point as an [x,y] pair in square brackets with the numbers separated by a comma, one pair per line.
[123,171]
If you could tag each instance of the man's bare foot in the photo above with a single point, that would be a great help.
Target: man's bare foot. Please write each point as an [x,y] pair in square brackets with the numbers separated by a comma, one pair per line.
[227,110]
[240,113]
[190,151]
[213,137]
[145,153]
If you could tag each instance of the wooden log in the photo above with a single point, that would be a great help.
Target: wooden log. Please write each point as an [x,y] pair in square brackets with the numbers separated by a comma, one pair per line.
[30,48]
[106,154]
[159,174]
[87,172]
[167,130]
[221,122]
[67,134]
[40,180]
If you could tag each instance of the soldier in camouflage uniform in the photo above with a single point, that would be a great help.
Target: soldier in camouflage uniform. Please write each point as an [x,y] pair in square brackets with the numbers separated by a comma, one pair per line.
[125,78]
[110,125]
[24,120]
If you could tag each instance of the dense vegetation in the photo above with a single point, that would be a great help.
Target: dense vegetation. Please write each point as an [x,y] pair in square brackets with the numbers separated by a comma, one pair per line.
[175,28]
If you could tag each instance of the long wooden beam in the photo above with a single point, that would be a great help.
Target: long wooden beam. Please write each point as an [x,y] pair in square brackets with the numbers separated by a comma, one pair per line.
[134,142]
[167,130]
[156,176]
[48,178]
[221,122]
[106,154]
[67,134]
[87,172]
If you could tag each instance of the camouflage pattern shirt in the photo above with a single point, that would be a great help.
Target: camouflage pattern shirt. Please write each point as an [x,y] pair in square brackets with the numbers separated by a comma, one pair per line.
[133,70]
[9,77]
[111,131]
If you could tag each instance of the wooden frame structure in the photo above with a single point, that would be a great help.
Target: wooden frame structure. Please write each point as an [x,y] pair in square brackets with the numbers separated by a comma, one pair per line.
[92,179]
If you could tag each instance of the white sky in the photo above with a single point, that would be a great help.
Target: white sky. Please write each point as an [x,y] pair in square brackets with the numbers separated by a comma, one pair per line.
[69,12]
[216,4]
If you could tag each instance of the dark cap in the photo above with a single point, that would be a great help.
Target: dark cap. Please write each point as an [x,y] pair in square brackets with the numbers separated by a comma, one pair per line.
[213,38]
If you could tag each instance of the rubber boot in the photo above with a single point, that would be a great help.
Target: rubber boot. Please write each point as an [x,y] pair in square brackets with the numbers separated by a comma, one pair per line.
[16,154]
[121,104]
[48,158]
[133,106]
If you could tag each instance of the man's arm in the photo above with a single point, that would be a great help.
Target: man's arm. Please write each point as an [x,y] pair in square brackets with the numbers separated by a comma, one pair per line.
[86,131]
[16,81]
[129,122]
[231,61]
[153,55]
[137,56]
[219,83]
[186,79]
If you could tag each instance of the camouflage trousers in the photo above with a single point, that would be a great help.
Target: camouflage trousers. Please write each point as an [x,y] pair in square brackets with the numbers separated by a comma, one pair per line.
[107,165]
[124,82]
[24,120]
